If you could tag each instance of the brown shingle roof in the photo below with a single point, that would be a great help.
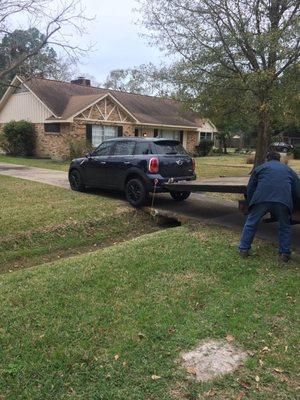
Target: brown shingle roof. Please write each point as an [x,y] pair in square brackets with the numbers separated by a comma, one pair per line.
[65,99]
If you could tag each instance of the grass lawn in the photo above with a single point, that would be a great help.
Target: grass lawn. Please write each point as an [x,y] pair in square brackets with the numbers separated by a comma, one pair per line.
[99,326]
[40,222]
[36,162]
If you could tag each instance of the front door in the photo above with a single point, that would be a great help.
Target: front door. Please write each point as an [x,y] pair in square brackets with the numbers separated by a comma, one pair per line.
[96,165]
[120,161]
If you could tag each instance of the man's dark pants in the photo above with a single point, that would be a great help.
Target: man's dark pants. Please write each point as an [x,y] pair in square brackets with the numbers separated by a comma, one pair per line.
[257,212]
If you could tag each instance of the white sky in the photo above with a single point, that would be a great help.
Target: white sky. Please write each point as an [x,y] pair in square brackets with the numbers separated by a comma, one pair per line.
[116,38]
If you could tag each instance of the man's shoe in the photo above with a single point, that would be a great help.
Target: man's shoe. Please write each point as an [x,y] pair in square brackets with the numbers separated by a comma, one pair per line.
[244,253]
[284,257]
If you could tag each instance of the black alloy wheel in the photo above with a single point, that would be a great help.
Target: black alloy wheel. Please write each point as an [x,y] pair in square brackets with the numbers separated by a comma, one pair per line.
[136,192]
[180,196]
[76,181]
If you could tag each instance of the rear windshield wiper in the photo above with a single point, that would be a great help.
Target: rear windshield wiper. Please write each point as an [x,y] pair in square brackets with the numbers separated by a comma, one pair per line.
[171,152]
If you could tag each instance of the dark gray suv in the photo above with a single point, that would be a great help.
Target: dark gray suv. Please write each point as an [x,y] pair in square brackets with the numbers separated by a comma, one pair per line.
[134,165]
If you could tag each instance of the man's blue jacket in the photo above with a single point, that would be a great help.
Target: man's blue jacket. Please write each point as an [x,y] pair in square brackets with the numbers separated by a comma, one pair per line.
[273,182]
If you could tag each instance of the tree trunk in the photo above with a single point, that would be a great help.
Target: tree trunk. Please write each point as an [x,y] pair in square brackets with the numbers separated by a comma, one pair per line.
[263,138]
[225,147]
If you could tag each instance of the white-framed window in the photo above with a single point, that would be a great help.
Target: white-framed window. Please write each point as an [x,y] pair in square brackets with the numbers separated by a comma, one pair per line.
[169,134]
[206,136]
[103,132]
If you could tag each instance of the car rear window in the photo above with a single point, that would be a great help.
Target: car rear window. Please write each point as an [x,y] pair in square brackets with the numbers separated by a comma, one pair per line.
[169,147]
[142,148]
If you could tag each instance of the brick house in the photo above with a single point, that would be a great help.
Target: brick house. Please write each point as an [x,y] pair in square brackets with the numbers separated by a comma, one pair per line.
[68,111]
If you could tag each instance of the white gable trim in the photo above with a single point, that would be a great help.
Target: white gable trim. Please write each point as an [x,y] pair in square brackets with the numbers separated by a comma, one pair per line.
[107,95]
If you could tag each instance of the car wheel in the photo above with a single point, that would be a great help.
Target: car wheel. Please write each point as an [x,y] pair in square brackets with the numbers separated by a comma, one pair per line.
[136,192]
[180,196]
[76,181]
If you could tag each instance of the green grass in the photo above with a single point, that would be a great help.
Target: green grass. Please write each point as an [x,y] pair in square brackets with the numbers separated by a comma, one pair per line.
[40,222]
[36,162]
[147,300]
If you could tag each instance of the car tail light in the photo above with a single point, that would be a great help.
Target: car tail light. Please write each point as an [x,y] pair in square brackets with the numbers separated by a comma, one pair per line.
[194,164]
[153,165]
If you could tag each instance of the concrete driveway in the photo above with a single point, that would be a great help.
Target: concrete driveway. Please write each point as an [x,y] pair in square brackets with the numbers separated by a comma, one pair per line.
[42,175]
[198,206]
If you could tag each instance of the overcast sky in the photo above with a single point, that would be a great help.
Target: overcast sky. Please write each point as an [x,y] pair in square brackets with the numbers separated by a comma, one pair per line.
[116,38]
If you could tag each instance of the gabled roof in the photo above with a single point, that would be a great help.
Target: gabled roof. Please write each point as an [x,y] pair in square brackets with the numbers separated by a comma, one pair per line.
[65,100]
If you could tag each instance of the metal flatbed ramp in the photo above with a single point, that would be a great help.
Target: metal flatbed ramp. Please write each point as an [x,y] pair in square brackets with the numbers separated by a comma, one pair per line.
[219,185]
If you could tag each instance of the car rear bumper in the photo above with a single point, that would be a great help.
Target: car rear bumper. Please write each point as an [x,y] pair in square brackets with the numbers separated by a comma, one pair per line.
[159,181]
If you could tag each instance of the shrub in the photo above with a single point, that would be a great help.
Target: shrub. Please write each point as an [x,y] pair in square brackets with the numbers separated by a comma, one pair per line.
[19,138]
[3,143]
[216,151]
[204,147]
[79,147]
[297,153]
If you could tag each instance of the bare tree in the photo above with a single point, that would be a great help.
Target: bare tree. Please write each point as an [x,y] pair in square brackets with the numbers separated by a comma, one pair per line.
[57,21]
[248,43]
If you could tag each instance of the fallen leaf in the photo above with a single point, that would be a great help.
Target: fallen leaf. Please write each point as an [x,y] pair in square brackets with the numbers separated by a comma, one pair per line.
[230,338]
[191,370]
[240,396]
[210,393]
[257,379]
[261,363]
[244,384]
[155,377]
[141,335]
[265,349]
[124,363]
[171,330]
[116,357]
[279,370]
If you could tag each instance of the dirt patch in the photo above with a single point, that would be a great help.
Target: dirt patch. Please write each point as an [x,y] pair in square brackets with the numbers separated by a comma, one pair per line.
[212,359]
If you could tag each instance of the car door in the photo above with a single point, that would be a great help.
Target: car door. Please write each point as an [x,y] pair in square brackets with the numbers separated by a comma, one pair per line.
[119,162]
[96,165]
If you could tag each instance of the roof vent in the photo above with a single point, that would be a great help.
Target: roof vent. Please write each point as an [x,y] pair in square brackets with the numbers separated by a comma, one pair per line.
[81,80]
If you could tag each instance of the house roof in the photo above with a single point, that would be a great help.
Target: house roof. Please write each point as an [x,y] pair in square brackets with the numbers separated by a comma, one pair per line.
[66,100]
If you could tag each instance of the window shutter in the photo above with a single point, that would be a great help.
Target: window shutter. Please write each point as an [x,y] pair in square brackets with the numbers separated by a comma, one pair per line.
[120,131]
[155,132]
[89,130]
[181,136]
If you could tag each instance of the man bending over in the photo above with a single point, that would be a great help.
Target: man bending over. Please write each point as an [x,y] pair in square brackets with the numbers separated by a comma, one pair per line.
[272,188]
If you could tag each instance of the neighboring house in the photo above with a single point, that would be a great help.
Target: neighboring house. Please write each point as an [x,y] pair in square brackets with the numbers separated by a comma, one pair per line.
[68,111]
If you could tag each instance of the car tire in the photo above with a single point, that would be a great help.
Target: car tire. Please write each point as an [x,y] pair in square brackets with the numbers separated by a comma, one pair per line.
[180,196]
[76,181]
[136,192]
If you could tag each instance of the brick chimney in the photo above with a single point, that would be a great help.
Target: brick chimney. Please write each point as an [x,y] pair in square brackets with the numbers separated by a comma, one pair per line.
[81,80]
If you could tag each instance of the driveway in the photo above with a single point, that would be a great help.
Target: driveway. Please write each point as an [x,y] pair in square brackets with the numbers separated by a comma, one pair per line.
[42,175]
[198,206]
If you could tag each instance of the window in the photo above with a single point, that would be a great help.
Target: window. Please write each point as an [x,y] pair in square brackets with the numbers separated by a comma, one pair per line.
[169,147]
[104,149]
[52,128]
[102,132]
[169,134]
[142,148]
[124,148]
[206,136]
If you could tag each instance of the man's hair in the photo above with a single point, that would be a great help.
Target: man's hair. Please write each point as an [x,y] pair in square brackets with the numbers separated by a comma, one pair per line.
[273,155]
